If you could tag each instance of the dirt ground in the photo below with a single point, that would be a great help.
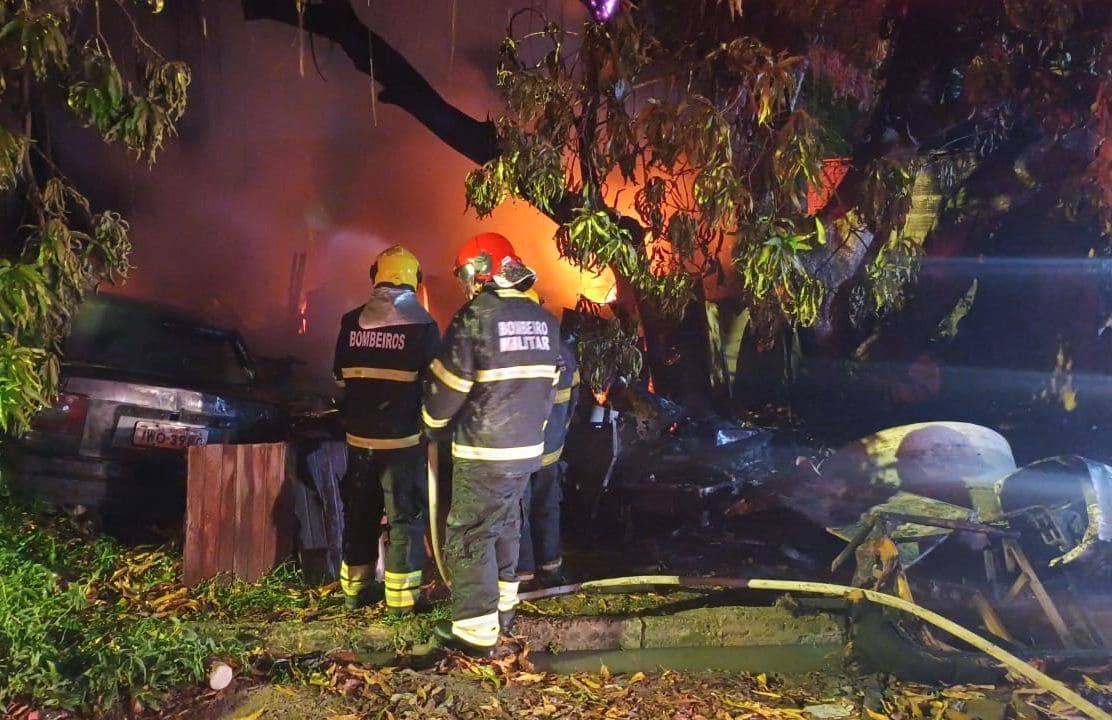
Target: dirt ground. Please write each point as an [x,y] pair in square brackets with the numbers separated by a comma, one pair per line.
[484,691]
[339,688]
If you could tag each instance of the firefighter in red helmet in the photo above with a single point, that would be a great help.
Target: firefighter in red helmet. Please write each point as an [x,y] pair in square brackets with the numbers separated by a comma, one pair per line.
[383,347]
[491,389]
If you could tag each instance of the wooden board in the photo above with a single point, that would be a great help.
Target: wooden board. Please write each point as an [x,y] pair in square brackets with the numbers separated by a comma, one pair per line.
[239,518]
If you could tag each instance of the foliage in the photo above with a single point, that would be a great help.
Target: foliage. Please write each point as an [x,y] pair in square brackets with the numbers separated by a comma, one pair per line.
[710,133]
[63,641]
[21,383]
[777,266]
[512,686]
[57,248]
[684,133]
[519,685]
[88,624]
[892,270]
[606,348]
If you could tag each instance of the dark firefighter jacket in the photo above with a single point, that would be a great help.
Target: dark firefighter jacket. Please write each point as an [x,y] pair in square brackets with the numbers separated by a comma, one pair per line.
[382,352]
[494,381]
[567,392]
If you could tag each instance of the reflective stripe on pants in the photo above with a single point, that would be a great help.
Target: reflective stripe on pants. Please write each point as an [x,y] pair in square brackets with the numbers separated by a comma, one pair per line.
[402,589]
[507,595]
[484,526]
[353,578]
[482,630]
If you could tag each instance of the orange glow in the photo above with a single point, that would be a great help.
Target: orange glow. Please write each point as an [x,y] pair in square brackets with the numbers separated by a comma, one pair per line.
[303,316]
[424,297]
[601,288]
[600,398]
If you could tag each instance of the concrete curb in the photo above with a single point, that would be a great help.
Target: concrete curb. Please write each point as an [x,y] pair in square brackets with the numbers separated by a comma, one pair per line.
[324,636]
[703,627]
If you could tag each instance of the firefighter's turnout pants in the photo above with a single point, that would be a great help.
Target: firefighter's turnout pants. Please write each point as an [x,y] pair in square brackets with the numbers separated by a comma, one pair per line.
[394,481]
[540,529]
[481,543]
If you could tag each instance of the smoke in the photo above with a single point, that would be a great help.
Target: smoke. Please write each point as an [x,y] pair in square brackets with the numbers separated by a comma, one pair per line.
[271,164]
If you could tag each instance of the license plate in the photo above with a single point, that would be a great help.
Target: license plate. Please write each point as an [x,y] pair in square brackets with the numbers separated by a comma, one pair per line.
[149,434]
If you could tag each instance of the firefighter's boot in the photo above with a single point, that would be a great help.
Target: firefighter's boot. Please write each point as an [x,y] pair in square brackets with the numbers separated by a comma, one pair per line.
[551,575]
[359,586]
[444,635]
[368,595]
[506,622]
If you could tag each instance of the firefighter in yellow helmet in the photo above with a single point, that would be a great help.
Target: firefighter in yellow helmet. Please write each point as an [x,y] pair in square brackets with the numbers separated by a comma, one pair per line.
[382,351]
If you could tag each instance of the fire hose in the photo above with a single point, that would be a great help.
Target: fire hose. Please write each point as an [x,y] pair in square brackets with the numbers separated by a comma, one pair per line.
[1002,656]
[434,511]
[1010,661]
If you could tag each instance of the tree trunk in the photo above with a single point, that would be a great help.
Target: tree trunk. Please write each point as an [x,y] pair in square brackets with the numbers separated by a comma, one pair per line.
[676,354]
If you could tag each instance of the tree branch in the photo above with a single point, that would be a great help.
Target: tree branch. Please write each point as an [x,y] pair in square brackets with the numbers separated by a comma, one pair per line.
[975,231]
[402,85]
[906,119]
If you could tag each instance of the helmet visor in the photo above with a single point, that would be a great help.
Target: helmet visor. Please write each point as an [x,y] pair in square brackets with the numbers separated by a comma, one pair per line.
[466,277]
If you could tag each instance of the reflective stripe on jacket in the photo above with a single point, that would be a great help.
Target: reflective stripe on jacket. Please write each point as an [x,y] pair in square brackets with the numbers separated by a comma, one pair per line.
[382,351]
[494,381]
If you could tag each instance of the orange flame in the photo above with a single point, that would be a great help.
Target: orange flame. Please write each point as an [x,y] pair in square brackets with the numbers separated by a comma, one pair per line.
[600,398]
[599,288]
[303,317]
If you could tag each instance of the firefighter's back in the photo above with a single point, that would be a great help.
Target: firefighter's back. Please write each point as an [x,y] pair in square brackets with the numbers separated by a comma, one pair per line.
[516,361]
[382,349]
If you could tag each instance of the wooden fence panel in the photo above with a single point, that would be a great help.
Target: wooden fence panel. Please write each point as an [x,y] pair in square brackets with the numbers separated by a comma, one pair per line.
[226,515]
[283,522]
[239,519]
[195,537]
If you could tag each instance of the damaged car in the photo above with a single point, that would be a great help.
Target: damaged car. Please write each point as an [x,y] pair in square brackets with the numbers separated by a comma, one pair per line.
[140,384]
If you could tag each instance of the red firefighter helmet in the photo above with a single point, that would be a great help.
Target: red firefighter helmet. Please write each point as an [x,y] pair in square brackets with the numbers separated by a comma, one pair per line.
[483,256]
[489,257]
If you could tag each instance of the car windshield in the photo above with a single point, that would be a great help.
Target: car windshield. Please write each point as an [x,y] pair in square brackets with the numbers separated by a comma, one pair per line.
[141,340]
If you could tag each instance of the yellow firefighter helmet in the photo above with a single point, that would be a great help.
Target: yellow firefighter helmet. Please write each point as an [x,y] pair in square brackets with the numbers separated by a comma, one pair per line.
[396,266]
